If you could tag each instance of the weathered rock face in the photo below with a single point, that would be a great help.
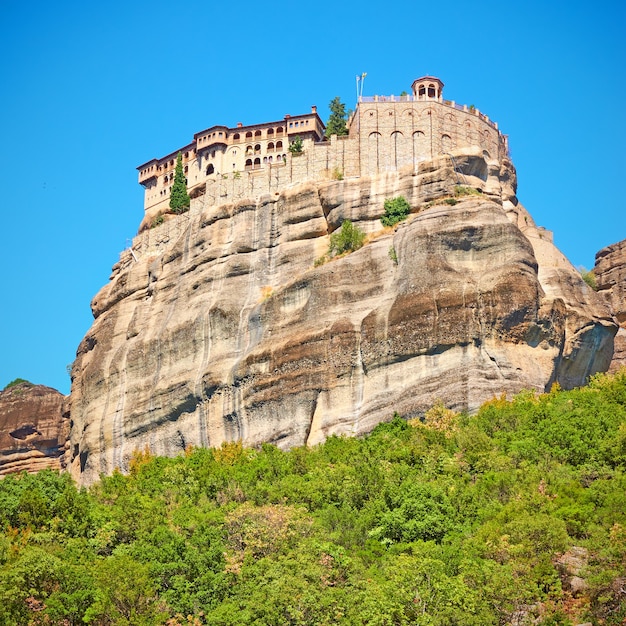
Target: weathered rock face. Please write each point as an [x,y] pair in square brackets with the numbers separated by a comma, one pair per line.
[33,429]
[231,332]
[610,272]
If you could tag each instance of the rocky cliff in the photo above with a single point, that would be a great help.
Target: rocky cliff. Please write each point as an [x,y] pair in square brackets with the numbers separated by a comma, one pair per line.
[610,273]
[229,330]
[33,428]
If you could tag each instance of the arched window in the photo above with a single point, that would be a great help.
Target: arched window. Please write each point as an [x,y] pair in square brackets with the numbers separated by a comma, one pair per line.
[270,159]
[248,134]
[257,163]
[280,130]
[210,169]
[248,164]
[421,90]
[431,91]
[236,137]
[249,149]
[264,160]
[279,145]
[257,133]
[257,148]
[270,131]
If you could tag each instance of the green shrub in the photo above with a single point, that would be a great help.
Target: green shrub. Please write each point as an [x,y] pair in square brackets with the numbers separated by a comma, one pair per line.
[393,255]
[17,381]
[157,221]
[295,147]
[396,210]
[347,239]
[589,277]
[462,190]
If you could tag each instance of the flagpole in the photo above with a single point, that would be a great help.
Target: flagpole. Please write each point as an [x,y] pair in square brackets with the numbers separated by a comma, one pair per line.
[358,78]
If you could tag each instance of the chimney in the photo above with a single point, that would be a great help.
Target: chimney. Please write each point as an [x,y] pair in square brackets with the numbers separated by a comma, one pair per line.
[287,116]
[313,109]
[239,124]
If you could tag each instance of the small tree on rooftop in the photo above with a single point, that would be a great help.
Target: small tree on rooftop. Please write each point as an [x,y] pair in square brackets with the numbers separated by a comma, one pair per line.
[336,124]
[179,198]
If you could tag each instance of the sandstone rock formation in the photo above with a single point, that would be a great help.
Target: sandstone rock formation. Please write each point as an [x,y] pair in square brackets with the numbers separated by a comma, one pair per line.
[219,325]
[33,428]
[610,272]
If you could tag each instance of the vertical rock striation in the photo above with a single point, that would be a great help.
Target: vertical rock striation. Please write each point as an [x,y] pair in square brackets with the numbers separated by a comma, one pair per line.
[230,330]
[610,273]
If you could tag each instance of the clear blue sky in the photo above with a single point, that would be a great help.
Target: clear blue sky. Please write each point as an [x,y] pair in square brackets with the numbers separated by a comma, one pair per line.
[90,90]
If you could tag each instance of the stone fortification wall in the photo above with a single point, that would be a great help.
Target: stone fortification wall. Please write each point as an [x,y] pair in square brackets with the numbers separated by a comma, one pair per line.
[386,134]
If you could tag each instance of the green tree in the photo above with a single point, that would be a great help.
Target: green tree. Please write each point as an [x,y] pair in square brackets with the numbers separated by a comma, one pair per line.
[17,381]
[179,198]
[396,210]
[336,124]
[347,239]
[295,147]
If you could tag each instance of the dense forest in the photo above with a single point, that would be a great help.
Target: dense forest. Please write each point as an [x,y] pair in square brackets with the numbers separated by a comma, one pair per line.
[515,515]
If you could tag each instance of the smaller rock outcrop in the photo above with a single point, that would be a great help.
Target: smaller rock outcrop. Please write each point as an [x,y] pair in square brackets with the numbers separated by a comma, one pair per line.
[610,273]
[33,428]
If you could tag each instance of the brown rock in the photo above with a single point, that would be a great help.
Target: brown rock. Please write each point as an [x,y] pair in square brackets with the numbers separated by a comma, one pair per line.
[228,331]
[33,428]
[610,273]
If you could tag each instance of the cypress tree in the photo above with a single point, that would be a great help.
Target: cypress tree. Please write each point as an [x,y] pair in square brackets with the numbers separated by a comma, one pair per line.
[336,124]
[179,198]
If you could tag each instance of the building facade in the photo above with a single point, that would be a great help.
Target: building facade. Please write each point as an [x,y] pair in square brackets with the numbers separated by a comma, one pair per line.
[385,133]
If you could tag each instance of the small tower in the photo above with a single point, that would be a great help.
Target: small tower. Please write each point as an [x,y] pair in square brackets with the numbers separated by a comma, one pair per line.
[427,88]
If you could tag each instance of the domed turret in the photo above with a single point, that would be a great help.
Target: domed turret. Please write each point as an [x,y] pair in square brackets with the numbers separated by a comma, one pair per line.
[427,88]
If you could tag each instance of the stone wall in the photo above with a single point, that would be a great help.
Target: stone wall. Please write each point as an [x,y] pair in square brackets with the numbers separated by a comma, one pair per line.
[387,134]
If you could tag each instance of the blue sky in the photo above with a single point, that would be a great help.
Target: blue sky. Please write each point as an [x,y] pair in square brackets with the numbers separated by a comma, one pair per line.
[89,91]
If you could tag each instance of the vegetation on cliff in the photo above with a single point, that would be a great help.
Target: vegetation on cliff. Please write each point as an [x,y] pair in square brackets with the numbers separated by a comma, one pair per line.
[16,382]
[450,520]
[179,198]
[396,210]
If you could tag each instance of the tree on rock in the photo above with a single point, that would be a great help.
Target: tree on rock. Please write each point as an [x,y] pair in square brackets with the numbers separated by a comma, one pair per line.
[336,124]
[179,198]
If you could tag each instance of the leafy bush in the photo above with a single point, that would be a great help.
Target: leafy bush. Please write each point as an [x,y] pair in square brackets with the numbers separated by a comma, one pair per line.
[296,147]
[17,381]
[589,277]
[337,174]
[157,221]
[462,190]
[449,519]
[347,239]
[396,210]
